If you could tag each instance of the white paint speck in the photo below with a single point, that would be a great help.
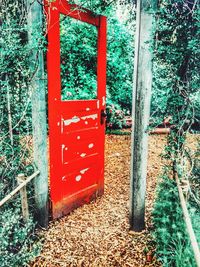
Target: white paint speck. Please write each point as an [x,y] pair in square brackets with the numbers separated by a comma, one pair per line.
[87,109]
[78,137]
[83,155]
[62,124]
[58,123]
[63,146]
[84,170]
[66,148]
[78,178]
[103,100]
[90,145]
[98,104]
[86,122]
[64,178]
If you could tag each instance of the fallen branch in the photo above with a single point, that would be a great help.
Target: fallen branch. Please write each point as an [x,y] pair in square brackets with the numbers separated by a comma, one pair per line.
[160,131]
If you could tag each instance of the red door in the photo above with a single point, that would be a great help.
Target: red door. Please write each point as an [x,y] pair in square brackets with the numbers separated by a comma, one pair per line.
[76,127]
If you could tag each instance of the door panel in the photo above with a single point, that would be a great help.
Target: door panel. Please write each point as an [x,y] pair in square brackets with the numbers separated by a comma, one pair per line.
[76,127]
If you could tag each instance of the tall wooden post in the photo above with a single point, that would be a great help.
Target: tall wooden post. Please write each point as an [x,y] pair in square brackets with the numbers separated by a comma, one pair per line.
[39,115]
[140,113]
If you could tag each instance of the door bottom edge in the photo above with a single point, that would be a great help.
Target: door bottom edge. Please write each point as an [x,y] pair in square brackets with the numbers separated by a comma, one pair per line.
[68,204]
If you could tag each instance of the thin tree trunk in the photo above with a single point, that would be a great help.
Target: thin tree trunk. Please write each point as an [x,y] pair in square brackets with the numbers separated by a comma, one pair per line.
[9,114]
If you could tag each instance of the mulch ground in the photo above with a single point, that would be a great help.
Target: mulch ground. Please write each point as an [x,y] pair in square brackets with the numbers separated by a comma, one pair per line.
[98,234]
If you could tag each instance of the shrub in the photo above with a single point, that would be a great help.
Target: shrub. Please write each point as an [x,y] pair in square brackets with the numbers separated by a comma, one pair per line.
[176,63]
[173,245]
[18,244]
[115,118]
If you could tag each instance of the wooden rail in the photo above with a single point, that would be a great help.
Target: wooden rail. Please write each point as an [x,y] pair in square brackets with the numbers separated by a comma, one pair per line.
[18,188]
[188,223]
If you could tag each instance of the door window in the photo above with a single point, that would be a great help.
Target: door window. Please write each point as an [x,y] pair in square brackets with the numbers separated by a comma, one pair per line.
[78,49]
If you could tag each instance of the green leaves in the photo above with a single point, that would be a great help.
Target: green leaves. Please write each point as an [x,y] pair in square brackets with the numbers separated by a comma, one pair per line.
[78,59]
[176,64]
[17,243]
[173,245]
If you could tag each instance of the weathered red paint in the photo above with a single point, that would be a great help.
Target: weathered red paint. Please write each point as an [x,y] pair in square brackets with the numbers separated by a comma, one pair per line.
[76,132]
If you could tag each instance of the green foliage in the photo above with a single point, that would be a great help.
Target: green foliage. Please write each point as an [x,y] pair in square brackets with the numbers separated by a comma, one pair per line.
[176,65]
[173,245]
[176,95]
[78,59]
[15,98]
[120,64]
[115,116]
[18,244]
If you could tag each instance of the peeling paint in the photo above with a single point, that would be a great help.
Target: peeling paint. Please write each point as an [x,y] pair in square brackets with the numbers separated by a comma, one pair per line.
[92,116]
[98,104]
[83,155]
[103,100]
[63,146]
[64,178]
[62,122]
[84,170]
[78,178]
[72,120]
[90,145]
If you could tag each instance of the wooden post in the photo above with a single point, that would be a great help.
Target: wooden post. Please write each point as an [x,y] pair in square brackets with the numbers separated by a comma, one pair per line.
[24,202]
[140,113]
[18,188]
[39,115]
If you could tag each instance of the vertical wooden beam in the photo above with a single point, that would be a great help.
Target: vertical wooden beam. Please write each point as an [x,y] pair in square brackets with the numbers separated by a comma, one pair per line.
[39,120]
[140,113]
[24,202]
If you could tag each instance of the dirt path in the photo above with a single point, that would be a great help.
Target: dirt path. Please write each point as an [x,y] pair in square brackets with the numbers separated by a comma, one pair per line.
[98,234]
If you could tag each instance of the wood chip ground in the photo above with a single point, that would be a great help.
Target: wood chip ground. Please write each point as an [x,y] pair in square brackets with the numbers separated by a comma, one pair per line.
[98,234]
